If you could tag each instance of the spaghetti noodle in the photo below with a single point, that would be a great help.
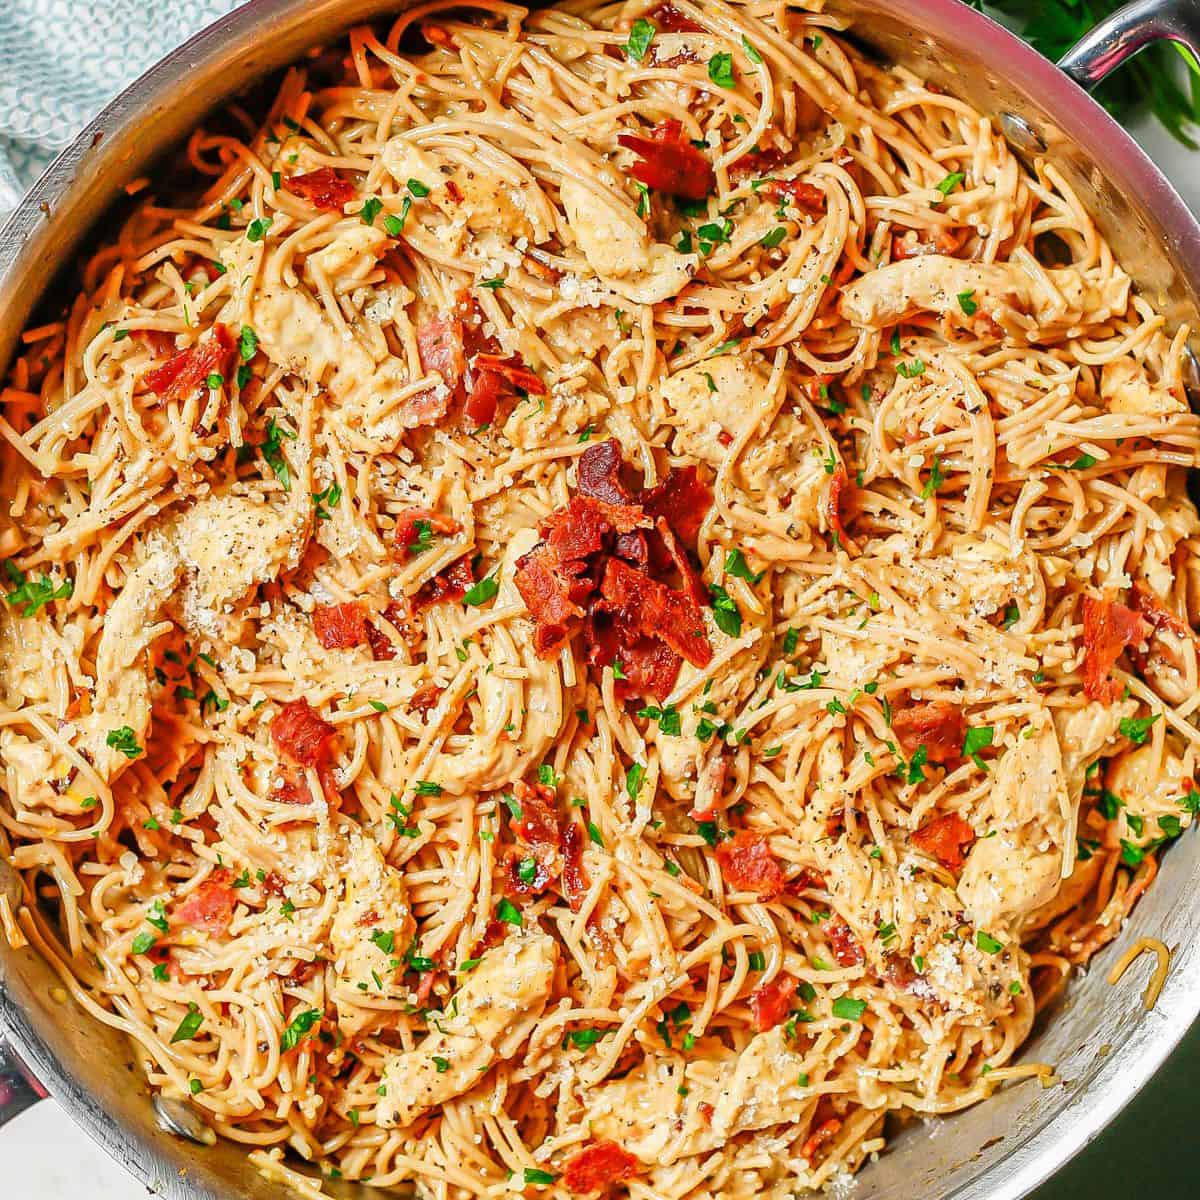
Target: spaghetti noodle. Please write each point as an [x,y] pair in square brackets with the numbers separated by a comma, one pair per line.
[606,602]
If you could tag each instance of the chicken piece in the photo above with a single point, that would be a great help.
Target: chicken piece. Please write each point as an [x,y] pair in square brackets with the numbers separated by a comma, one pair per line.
[617,247]
[1010,296]
[1028,813]
[1083,735]
[492,1013]
[405,160]
[646,1114]
[721,399]
[1150,784]
[487,202]
[1127,388]
[352,255]
[122,696]
[493,757]
[295,332]
[228,544]
[372,928]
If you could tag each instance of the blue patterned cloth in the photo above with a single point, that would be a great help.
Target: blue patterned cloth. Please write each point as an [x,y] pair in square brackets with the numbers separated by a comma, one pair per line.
[61,61]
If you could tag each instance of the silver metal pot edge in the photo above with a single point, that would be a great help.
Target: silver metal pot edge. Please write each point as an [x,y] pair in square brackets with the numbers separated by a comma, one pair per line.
[35,241]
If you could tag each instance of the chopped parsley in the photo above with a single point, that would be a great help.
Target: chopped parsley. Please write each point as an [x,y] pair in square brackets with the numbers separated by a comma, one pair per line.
[977,739]
[735,565]
[935,480]
[720,70]
[34,594]
[301,1025]
[483,591]
[725,611]
[258,229]
[189,1026]
[966,301]
[123,740]
[846,1008]
[950,182]
[641,34]
[987,943]
[1136,729]
[508,912]
[633,780]
[371,208]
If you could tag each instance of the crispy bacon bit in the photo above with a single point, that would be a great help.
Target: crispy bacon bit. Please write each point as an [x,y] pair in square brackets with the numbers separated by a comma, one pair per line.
[682,499]
[806,880]
[939,726]
[210,907]
[944,838]
[339,626]
[574,877]
[492,378]
[301,735]
[821,1136]
[599,473]
[323,188]
[552,596]
[656,610]
[408,528]
[383,649]
[579,530]
[598,1167]
[184,374]
[451,584]
[1108,628]
[802,195]
[840,495]
[689,577]
[440,343]
[842,942]
[425,698]
[291,788]
[669,163]
[1157,613]
[771,1003]
[756,162]
[537,826]
[650,668]
[493,935]
[748,865]
[670,20]
[911,245]
[436,35]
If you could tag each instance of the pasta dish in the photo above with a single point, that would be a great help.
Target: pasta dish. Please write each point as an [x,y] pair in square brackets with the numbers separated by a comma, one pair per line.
[597,598]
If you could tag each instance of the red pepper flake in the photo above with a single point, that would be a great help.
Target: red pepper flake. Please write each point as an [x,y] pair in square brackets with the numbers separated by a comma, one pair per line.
[209,907]
[598,1167]
[339,626]
[669,163]
[323,188]
[747,865]
[839,497]
[188,371]
[802,195]
[938,725]
[843,943]
[944,838]
[822,1135]
[771,1003]
[301,735]
[1108,628]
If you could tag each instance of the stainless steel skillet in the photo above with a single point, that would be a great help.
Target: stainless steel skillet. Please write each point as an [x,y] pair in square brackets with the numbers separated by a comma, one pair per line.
[1104,1046]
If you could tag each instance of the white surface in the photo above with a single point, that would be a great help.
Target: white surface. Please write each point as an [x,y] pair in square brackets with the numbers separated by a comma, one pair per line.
[46,1158]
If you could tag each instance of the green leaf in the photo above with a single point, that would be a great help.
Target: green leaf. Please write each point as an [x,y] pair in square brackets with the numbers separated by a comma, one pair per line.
[247,344]
[534,1175]
[1136,729]
[301,1025]
[633,780]
[790,640]
[845,1008]
[385,939]
[720,70]
[966,301]
[441,1064]
[583,1038]
[258,229]
[426,787]
[418,189]
[735,565]
[641,34]
[1082,463]
[189,1026]
[725,611]
[143,942]
[33,595]
[987,943]
[371,208]
[124,740]
[595,835]
[935,480]
[483,591]
[976,739]
[770,240]
[752,54]
[508,912]
[950,182]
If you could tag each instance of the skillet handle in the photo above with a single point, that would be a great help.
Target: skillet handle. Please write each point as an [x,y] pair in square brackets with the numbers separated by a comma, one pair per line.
[1128,30]
[18,1088]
